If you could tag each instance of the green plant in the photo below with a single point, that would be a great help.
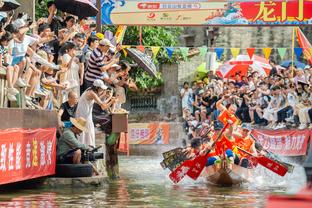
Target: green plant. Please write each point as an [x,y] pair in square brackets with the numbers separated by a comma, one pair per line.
[145,81]
[41,8]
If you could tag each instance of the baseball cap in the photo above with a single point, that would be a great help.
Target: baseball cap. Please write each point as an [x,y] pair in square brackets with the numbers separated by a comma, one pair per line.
[246,126]
[116,66]
[106,42]
[99,83]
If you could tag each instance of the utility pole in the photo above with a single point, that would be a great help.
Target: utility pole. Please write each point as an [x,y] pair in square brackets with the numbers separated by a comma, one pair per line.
[99,16]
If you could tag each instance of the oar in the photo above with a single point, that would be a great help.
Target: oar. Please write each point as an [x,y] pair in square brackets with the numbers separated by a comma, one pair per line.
[201,160]
[193,168]
[268,163]
[290,167]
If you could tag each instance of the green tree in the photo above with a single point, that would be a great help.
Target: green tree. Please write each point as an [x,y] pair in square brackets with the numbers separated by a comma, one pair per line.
[41,8]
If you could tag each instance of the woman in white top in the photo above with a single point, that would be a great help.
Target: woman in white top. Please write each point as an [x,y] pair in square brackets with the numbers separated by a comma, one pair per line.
[85,106]
[73,75]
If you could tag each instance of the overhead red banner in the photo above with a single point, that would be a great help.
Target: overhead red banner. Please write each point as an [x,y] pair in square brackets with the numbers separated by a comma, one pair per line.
[203,12]
[284,142]
[26,154]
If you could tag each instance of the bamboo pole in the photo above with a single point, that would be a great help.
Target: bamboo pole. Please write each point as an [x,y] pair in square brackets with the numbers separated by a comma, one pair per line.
[292,50]
[99,16]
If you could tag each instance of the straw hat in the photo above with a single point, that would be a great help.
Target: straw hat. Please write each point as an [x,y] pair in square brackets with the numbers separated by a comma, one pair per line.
[79,123]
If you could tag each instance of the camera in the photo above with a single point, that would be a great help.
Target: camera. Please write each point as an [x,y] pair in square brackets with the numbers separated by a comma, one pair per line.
[92,155]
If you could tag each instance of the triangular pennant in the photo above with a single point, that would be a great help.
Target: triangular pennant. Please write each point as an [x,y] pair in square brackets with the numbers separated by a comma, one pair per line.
[298,52]
[235,52]
[184,51]
[155,50]
[170,51]
[250,52]
[267,52]
[203,51]
[219,52]
[124,49]
[282,52]
[141,48]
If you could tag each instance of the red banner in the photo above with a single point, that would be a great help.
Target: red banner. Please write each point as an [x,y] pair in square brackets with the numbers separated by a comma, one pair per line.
[27,154]
[284,142]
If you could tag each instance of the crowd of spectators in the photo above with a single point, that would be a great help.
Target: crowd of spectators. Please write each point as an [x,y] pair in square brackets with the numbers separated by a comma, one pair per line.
[62,64]
[278,101]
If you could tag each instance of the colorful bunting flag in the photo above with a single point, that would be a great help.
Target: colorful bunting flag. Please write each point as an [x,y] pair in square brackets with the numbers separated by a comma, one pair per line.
[203,51]
[267,52]
[235,52]
[219,52]
[298,52]
[155,50]
[281,52]
[170,51]
[141,48]
[250,52]
[124,49]
[184,51]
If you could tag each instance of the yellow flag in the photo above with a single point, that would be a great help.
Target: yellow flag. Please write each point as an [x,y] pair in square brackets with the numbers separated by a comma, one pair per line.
[267,52]
[155,50]
[124,49]
[235,52]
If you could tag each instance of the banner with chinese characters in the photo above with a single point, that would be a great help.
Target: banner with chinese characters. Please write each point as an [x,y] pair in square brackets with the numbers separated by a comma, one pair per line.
[284,142]
[203,12]
[27,154]
[148,133]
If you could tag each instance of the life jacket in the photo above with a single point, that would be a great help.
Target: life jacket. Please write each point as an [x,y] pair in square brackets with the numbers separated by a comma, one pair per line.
[222,145]
[245,144]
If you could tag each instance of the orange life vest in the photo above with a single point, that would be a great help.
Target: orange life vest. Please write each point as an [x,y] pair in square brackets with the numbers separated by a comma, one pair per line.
[245,144]
[223,144]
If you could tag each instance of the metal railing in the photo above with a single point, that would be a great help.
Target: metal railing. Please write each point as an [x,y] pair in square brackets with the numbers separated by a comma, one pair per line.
[143,103]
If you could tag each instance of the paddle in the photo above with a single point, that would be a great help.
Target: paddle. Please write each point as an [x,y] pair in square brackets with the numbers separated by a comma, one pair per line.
[290,167]
[201,160]
[268,163]
[193,168]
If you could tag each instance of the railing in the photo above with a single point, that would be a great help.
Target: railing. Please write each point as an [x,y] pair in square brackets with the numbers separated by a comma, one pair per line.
[143,103]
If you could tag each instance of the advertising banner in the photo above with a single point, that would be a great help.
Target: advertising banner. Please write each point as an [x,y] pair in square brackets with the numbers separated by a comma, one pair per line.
[284,142]
[148,133]
[27,154]
[203,12]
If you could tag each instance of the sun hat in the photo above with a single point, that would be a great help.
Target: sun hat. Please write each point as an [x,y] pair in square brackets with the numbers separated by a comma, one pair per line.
[106,42]
[99,83]
[79,123]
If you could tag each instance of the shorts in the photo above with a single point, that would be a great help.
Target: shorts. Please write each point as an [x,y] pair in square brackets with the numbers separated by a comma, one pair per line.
[67,158]
[17,60]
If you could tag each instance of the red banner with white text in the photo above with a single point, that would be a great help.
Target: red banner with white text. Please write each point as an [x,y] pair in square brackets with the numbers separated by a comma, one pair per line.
[284,142]
[27,154]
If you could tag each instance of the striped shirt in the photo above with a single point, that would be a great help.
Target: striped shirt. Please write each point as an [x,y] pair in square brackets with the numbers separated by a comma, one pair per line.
[96,62]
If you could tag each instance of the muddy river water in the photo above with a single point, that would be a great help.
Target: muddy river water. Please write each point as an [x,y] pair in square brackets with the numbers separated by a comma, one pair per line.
[144,183]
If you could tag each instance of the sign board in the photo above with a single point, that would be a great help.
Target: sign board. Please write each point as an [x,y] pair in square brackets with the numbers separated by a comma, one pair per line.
[206,13]
[27,154]
[148,133]
[284,142]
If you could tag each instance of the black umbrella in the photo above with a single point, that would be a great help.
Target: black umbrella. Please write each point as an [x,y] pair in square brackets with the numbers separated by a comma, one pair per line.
[9,5]
[143,61]
[80,8]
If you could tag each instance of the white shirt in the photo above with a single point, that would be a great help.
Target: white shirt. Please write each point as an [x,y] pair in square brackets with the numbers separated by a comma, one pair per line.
[20,48]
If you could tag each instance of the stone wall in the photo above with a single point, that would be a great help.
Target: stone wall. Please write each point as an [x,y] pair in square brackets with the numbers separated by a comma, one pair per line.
[27,6]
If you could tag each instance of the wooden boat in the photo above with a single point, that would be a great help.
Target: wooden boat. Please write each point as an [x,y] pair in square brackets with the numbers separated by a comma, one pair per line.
[225,176]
